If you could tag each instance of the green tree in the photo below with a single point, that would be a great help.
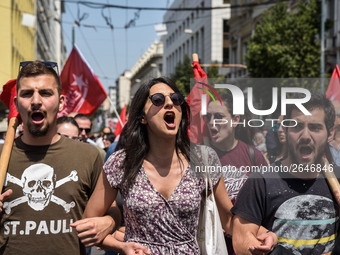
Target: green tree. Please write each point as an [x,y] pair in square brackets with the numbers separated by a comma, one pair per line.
[182,75]
[284,44]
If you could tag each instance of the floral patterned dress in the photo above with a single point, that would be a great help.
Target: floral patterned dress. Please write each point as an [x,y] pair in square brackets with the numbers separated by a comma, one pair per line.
[163,226]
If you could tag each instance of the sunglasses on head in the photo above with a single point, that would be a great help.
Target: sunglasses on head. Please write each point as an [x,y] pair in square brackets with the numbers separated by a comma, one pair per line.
[87,130]
[52,65]
[158,99]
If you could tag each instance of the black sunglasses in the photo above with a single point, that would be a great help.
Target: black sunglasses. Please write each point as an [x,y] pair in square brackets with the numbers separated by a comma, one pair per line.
[158,99]
[87,130]
[48,64]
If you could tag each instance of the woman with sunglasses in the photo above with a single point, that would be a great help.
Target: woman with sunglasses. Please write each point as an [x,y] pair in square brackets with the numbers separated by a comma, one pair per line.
[161,197]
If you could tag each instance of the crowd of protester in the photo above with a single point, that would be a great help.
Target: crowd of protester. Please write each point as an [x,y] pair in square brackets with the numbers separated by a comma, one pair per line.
[136,193]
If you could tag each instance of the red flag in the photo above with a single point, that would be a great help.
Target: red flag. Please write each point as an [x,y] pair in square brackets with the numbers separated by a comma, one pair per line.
[333,91]
[83,91]
[9,91]
[119,127]
[194,100]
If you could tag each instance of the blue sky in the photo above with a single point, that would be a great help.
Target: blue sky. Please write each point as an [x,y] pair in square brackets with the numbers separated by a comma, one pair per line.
[111,52]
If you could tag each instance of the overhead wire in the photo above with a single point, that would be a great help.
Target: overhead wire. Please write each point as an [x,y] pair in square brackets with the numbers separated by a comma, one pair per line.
[88,46]
[95,5]
[113,42]
[146,25]
[102,6]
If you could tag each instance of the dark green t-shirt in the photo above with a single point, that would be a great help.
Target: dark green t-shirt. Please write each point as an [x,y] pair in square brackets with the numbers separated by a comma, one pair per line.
[51,186]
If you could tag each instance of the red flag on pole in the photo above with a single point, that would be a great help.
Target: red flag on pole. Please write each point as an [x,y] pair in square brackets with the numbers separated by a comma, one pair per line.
[119,127]
[9,91]
[83,91]
[194,101]
[333,91]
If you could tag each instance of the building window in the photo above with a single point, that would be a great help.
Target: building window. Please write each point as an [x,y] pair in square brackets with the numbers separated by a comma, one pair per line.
[234,55]
[225,42]
[244,52]
[188,47]
[197,41]
[192,44]
[202,44]
[180,54]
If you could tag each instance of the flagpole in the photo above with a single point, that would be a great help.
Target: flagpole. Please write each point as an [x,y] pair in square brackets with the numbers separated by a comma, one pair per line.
[73,34]
[7,149]
[115,110]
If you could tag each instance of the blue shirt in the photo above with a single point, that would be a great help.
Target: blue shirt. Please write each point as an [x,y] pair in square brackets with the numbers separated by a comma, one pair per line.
[110,150]
[335,154]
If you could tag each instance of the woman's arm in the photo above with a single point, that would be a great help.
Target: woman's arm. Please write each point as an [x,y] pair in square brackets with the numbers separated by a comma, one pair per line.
[262,241]
[101,198]
[94,227]
[244,235]
[249,238]
[92,231]
[224,205]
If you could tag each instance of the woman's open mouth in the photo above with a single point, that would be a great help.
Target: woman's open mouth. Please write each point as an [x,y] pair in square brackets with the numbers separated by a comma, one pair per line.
[169,119]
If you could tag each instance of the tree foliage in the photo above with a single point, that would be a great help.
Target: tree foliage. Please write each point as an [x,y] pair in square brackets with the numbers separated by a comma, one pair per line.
[182,75]
[285,43]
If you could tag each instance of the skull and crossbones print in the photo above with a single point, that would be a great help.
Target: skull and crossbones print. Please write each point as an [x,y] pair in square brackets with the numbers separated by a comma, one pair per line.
[38,183]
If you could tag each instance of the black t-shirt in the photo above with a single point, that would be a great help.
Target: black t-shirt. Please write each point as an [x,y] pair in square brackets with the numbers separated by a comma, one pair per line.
[51,186]
[300,212]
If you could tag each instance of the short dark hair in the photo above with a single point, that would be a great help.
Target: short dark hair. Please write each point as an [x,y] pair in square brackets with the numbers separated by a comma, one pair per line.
[110,136]
[36,68]
[66,119]
[108,128]
[83,116]
[317,101]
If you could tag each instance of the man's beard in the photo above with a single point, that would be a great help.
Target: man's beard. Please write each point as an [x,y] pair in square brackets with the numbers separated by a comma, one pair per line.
[38,131]
[319,153]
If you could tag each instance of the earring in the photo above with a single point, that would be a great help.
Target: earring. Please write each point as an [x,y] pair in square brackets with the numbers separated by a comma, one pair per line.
[143,121]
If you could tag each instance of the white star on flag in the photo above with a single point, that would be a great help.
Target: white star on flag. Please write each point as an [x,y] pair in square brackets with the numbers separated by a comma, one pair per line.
[78,80]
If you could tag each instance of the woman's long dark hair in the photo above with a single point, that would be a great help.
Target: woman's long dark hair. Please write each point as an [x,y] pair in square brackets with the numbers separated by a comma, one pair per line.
[137,142]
